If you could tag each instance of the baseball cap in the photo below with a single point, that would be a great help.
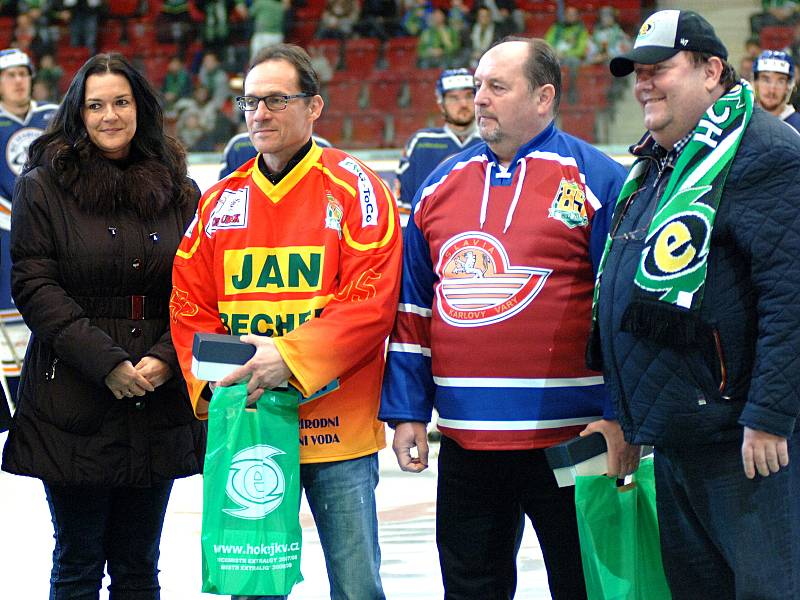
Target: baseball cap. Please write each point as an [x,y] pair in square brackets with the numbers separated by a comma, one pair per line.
[666,33]
[13,57]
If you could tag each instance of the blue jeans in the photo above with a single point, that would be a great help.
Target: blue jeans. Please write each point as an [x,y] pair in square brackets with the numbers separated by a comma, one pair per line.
[723,535]
[97,525]
[341,496]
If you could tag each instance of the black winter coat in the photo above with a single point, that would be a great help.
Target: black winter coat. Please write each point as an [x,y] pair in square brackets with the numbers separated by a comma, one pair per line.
[743,369]
[80,251]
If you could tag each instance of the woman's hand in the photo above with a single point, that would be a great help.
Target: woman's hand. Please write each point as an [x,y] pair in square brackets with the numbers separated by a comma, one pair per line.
[155,370]
[125,381]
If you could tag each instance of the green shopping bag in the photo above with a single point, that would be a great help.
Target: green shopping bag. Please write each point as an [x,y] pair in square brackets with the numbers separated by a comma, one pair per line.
[618,529]
[251,535]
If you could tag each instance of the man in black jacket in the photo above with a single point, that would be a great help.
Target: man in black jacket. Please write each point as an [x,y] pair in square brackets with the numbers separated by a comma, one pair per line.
[696,320]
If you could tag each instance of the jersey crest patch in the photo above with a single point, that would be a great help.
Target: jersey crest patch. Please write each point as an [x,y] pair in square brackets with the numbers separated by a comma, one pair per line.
[17,148]
[334,213]
[477,285]
[569,205]
[230,212]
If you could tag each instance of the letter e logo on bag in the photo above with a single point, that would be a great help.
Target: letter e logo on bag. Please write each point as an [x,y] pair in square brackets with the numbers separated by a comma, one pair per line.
[255,482]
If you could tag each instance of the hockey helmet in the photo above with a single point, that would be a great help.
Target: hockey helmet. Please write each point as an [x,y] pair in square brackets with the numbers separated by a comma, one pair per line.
[774,61]
[14,57]
[453,79]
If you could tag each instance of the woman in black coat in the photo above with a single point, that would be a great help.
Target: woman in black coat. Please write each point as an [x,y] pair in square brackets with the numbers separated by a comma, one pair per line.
[103,416]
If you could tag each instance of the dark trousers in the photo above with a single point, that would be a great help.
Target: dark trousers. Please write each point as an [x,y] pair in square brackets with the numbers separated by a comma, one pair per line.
[723,535]
[98,525]
[480,499]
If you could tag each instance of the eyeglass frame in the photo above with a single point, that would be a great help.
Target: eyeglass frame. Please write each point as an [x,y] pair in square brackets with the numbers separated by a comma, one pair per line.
[265,99]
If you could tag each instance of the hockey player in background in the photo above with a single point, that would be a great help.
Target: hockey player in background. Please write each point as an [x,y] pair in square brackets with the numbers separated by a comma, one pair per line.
[22,120]
[430,146]
[773,79]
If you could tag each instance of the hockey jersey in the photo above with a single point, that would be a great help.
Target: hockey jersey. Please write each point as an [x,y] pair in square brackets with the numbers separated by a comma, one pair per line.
[426,149]
[314,262]
[16,136]
[791,116]
[240,149]
[496,296]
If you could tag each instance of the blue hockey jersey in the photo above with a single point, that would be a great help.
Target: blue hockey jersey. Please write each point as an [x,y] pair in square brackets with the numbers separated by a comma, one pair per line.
[240,149]
[16,136]
[495,303]
[423,151]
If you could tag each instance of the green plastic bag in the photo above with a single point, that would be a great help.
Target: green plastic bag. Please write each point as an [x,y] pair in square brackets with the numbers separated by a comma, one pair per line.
[251,536]
[620,546]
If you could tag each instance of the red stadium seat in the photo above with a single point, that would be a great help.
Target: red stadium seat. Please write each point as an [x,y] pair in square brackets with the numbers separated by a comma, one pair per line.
[385,90]
[6,31]
[360,55]
[344,94]
[405,123]
[593,84]
[401,53]
[331,126]
[365,129]
[330,49]
[578,121]
[537,23]
[776,37]
[303,32]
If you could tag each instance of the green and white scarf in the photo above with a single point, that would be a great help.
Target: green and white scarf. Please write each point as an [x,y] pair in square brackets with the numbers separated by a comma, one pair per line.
[670,279]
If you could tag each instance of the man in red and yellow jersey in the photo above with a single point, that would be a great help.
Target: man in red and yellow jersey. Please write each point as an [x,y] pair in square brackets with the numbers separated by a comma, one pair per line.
[299,252]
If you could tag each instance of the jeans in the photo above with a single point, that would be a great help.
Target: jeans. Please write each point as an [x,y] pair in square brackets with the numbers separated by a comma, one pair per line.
[97,525]
[341,496]
[723,535]
[480,497]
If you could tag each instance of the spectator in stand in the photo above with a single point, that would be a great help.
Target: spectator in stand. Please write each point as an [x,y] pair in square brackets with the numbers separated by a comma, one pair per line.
[323,68]
[774,12]
[773,80]
[608,40]
[82,16]
[216,29]
[508,19]
[415,19]
[24,33]
[197,117]
[429,146]
[193,133]
[482,35]
[379,19]
[338,19]
[746,68]
[40,93]
[752,47]
[49,74]
[214,77]
[174,25]
[269,21]
[458,15]
[177,83]
[570,40]
[47,33]
[439,45]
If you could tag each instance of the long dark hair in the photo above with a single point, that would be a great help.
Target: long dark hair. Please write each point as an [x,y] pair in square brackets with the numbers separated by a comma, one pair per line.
[66,142]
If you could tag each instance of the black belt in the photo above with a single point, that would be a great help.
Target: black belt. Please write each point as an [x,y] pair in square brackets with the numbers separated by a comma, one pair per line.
[136,308]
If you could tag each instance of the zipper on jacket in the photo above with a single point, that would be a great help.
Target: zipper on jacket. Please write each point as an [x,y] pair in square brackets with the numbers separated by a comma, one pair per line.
[50,374]
[723,370]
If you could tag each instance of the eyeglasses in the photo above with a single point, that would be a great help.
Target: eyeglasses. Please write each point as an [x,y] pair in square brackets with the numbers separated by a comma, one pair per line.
[273,103]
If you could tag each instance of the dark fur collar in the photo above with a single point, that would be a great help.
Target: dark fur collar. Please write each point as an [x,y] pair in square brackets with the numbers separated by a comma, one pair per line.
[103,187]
